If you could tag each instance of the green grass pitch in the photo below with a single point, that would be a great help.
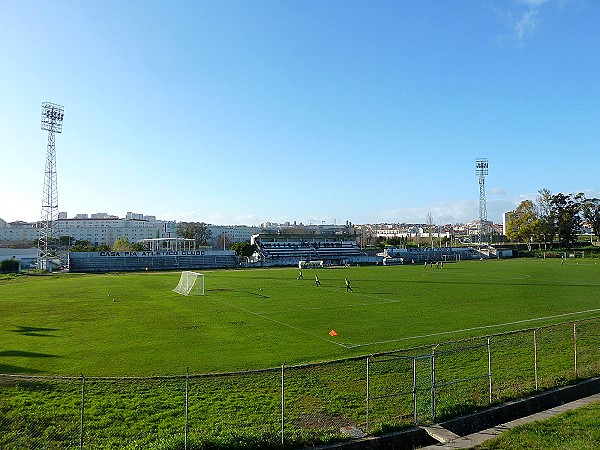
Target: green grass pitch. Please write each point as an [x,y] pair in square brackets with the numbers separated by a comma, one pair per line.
[134,325]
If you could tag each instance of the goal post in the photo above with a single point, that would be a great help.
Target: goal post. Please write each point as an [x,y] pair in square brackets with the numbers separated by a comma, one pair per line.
[309,264]
[190,283]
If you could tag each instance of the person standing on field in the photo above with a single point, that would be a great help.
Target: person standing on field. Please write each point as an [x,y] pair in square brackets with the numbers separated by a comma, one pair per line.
[317,282]
[348,288]
[300,277]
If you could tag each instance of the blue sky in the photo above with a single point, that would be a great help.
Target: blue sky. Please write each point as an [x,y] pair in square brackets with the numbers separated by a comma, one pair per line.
[241,112]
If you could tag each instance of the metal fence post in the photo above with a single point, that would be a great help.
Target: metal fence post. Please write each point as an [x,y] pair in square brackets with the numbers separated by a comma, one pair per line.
[282,403]
[433,383]
[185,434]
[489,349]
[575,346]
[367,424]
[535,368]
[415,390]
[82,412]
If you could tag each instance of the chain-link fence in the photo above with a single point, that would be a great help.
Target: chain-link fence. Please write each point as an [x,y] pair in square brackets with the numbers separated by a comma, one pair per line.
[294,406]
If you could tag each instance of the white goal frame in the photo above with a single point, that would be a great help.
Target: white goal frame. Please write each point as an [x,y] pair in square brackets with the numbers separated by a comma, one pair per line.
[188,281]
[309,264]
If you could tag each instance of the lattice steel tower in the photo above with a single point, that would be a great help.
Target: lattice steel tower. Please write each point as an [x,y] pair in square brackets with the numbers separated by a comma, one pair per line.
[52,120]
[481,169]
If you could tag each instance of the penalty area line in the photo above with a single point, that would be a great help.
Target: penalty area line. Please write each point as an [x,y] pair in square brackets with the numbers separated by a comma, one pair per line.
[247,311]
[443,333]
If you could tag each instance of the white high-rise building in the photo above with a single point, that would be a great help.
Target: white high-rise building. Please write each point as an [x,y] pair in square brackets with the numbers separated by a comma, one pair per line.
[98,229]
[505,217]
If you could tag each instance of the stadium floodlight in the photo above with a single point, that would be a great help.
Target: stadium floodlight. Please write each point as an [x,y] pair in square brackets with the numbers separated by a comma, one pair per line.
[52,120]
[481,170]
[482,166]
[52,117]
[189,283]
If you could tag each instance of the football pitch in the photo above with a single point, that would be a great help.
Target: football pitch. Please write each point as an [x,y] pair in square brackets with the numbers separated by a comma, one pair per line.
[132,324]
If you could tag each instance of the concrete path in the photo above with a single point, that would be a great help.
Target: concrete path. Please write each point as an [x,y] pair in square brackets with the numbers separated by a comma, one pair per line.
[452,441]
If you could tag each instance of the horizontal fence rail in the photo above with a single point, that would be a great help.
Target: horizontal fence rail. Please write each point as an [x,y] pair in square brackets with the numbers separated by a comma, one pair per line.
[295,406]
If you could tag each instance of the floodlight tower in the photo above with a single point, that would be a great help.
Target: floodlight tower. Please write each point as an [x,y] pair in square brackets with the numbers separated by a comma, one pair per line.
[52,120]
[481,169]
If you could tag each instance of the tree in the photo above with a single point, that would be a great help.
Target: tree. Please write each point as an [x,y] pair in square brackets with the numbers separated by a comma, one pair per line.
[366,236]
[66,241]
[139,247]
[547,226]
[244,248]
[591,213]
[430,223]
[566,210]
[194,230]
[393,242]
[523,223]
[122,245]
[83,246]
[411,244]
[222,241]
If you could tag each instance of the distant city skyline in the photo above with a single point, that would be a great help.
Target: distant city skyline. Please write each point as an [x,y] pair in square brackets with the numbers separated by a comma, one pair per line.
[99,216]
[245,112]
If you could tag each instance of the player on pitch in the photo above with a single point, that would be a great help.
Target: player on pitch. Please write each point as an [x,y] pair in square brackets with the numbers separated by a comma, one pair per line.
[348,288]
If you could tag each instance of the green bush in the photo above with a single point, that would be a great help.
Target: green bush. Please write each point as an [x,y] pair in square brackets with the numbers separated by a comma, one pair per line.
[9,266]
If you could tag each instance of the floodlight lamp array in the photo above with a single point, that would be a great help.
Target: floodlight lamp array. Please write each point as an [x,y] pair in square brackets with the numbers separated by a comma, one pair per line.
[52,117]
[481,166]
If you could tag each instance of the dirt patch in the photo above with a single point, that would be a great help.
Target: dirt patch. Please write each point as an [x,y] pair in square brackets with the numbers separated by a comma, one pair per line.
[322,420]
[192,327]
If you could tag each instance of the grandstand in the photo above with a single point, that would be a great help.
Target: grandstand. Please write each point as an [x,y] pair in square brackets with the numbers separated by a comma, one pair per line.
[275,249]
[416,255]
[151,260]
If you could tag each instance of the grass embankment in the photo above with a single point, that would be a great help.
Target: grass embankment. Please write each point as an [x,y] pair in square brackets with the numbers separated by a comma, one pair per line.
[573,430]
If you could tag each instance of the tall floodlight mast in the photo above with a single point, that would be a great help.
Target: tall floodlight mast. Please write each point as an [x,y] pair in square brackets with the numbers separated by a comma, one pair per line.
[52,120]
[481,169]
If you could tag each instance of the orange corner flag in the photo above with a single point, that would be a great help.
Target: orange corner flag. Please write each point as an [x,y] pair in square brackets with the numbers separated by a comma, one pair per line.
[333,333]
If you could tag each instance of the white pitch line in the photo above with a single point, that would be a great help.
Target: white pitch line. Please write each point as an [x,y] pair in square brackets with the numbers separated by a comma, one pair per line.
[487,279]
[282,323]
[382,301]
[470,329]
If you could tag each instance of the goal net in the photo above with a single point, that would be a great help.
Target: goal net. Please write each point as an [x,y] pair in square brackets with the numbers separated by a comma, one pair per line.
[190,283]
[309,264]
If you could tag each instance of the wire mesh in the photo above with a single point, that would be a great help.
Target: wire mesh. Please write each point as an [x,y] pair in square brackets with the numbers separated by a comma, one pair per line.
[297,406]
[39,413]
[231,408]
[555,355]
[461,378]
[321,400]
[588,348]
[122,413]
[391,392]
[513,365]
